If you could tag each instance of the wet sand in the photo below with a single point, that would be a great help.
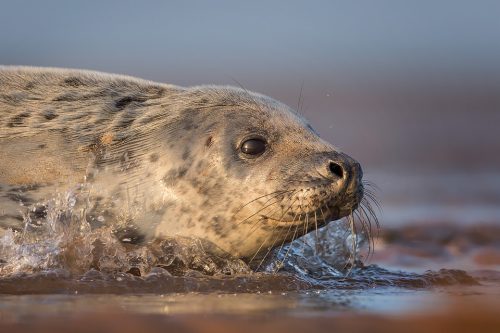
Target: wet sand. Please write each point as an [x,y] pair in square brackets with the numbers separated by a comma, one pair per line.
[446,302]
[463,315]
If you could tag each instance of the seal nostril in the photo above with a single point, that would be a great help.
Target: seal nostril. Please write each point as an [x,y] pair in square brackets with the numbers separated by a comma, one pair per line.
[336,169]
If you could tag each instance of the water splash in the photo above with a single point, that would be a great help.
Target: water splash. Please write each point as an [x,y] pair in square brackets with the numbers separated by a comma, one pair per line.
[62,239]
[329,252]
[65,240]
[63,253]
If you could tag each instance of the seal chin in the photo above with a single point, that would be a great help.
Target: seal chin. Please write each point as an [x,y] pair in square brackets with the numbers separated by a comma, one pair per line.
[328,211]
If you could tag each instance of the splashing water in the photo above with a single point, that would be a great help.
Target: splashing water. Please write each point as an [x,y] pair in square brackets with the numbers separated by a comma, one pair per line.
[65,240]
[65,249]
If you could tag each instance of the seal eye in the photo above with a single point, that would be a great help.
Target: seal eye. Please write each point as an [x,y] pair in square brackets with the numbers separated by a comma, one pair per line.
[253,147]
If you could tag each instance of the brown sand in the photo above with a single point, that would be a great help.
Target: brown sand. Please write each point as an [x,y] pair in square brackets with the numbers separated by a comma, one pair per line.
[460,318]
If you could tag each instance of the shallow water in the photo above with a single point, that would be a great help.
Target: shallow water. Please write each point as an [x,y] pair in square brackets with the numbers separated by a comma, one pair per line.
[423,263]
[383,300]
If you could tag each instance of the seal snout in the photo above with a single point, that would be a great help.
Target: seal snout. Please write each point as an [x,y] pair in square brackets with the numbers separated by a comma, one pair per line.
[343,169]
[346,175]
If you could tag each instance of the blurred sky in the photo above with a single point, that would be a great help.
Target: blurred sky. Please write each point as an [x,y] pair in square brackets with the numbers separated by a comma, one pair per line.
[397,84]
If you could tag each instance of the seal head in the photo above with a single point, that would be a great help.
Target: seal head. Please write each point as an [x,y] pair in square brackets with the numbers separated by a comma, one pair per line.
[233,167]
[254,174]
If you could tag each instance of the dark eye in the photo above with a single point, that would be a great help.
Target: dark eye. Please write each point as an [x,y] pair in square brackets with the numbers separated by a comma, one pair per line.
[253,147]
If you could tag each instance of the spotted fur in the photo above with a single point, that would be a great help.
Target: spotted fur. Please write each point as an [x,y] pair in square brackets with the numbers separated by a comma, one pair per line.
[160,160]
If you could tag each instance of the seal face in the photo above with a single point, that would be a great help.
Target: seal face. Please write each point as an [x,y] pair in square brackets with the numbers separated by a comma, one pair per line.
[220,163]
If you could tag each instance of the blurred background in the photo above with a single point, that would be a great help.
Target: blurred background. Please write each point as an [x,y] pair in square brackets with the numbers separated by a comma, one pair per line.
[409,88]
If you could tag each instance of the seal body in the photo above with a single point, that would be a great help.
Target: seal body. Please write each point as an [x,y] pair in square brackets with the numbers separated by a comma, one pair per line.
[219,163]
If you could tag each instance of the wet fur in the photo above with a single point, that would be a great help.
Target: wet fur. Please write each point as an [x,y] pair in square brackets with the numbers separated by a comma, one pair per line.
[162,160]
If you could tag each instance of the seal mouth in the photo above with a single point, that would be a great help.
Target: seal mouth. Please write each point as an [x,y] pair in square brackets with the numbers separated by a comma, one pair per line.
[353,206]
[290,213]
[316,205]
[320,217]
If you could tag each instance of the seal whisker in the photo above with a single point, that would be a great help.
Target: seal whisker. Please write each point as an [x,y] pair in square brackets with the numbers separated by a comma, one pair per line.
[262,208]
[254,228]
[274,227]
[370,194]
[284,240]
[260,197]
[274,242]
[265,206]
[370,190]
[248,94]
[260,247]
[352,255]
[370,184]
[269,250]
[306,227]
[255,225]
[371,215]
[322,214]
[293,238]
[316,232]
[324,221]
[366,231]
[363,214]
[299,103]
[365,203]
[374,200]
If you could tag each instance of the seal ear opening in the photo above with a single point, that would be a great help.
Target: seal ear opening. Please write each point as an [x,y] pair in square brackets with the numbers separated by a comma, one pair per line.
[208,142]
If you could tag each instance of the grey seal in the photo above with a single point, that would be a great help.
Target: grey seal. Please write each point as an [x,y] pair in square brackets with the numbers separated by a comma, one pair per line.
[236,168]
